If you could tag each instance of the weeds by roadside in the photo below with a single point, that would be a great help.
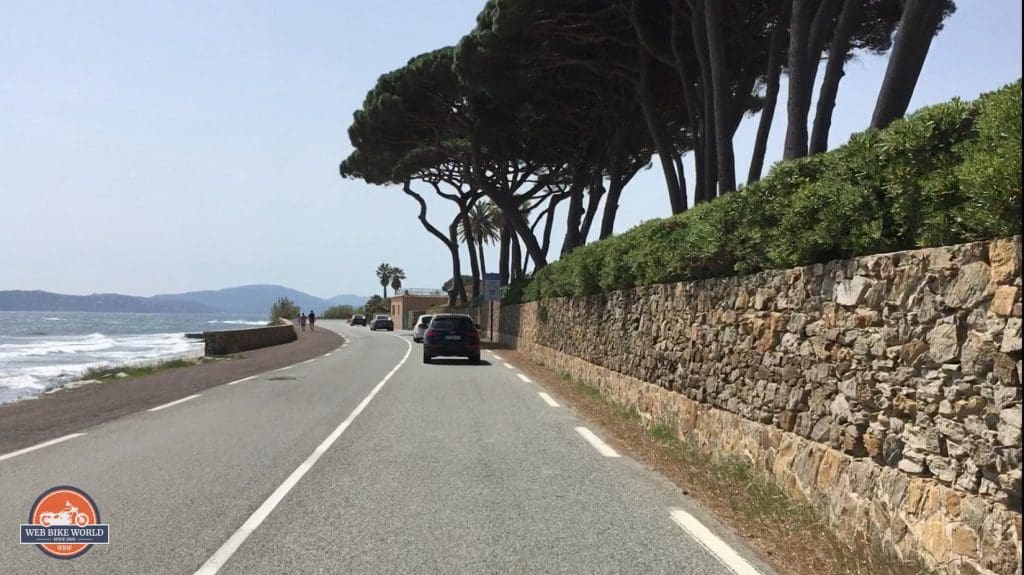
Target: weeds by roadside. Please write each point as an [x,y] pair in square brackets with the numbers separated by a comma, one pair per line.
[791,533]
[132,371]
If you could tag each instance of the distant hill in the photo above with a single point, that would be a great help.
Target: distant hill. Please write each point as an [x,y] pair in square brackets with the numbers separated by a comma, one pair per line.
[348,299]
[257,298]
[19,300]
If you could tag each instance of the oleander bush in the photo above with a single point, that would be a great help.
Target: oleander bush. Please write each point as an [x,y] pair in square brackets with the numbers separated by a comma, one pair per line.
[947,174]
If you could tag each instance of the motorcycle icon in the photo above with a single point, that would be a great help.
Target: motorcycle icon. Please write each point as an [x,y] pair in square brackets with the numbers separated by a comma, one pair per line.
[65,516]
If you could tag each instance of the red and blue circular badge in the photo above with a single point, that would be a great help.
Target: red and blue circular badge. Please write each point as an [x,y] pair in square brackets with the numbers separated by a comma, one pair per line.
[64,523]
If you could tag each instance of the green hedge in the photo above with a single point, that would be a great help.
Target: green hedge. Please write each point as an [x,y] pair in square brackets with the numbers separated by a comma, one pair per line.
[946,174]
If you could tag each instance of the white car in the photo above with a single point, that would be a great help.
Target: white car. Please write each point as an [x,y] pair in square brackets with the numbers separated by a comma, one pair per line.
[421,327]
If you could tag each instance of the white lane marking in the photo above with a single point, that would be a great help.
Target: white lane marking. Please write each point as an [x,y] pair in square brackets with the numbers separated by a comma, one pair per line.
[524,378]
[720,549]
[547,399]
[309,360]
[509,365]
[496,356]
[601,447]
[285,368]
[328,354]
[250,378]
[40,446]
[173,403]
[221,556]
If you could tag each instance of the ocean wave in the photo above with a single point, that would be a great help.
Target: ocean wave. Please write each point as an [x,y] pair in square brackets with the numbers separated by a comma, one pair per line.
[237,322]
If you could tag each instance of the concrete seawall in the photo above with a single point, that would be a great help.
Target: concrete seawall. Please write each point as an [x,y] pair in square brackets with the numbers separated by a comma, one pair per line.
[236,341]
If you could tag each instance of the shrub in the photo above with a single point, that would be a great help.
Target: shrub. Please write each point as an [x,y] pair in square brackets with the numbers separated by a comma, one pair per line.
[946,174]
[285,308]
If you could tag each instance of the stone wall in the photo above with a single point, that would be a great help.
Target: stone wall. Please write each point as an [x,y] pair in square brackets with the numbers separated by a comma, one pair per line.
[885,388]
[237,341]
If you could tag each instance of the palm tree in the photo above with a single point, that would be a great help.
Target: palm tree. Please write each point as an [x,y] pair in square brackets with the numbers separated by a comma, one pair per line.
[397,275]
[485,220]
[384,272]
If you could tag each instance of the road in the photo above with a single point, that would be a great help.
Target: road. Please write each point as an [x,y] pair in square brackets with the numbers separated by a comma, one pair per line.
[366,461]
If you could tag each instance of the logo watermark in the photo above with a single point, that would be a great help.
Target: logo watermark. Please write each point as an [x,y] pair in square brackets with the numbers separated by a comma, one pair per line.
[64,523]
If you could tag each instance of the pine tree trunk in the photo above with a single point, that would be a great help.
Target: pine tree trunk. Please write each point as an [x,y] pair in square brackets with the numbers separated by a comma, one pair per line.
[837,53]
[918,25]
[573,220]
[798,103]
[709,139]
[504,249]
[457,284]
[776,54]
[816,38]
[720,90]
[656,128]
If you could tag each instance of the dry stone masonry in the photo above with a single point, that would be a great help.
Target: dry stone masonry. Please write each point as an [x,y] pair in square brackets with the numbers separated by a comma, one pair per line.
[900,373]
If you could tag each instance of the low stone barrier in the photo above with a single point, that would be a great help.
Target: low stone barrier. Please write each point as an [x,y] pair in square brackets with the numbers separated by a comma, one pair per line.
[885,389]
[237,341]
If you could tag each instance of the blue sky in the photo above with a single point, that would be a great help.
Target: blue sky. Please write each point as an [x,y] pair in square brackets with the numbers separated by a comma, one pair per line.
[153,147]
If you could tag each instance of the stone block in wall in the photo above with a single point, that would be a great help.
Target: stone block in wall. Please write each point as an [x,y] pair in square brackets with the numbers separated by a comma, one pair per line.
[1005,257]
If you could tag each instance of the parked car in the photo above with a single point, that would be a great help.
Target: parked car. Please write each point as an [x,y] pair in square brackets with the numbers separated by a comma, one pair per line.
[357,319]
[421,328]
[452,335]
[382,322]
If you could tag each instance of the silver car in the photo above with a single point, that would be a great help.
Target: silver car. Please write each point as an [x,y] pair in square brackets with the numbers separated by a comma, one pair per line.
[421,328]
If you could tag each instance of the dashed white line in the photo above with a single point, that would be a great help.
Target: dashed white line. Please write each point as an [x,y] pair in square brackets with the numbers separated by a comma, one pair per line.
[524,378]
[221,556]
[328,354]
[250,378]
[510,366]
[547,399]
[720,549]
[173,403]
[40,446]
[601,447]
[497,357]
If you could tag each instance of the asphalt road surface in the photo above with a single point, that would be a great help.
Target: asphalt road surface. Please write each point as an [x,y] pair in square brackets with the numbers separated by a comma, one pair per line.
[366,461]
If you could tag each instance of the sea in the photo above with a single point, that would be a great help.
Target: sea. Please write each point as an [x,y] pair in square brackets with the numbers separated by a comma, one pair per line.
[40,351]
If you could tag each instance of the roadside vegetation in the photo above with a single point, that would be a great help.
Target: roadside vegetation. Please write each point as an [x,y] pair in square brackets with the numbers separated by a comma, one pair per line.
[789,532]
[133,371]
[947,174]
[338,312]
[283,308]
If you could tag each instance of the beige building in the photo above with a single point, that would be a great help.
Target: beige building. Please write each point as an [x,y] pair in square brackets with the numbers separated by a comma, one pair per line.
[409,304]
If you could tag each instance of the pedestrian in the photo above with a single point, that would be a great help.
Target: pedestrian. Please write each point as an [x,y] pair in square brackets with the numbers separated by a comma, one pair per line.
[302,321]
[312,320]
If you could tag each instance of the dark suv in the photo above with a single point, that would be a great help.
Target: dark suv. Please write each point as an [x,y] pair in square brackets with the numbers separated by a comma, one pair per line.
[452,335]
[357,319]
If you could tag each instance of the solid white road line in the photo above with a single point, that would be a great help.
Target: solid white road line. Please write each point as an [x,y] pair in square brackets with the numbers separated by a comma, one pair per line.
[510,366]
[40,446]
[524,378]
[250,378]
[221,556]
[173,403]
[328,354]
[309,360]
[285,368]
[726,554]
[547,399]
[601,447]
